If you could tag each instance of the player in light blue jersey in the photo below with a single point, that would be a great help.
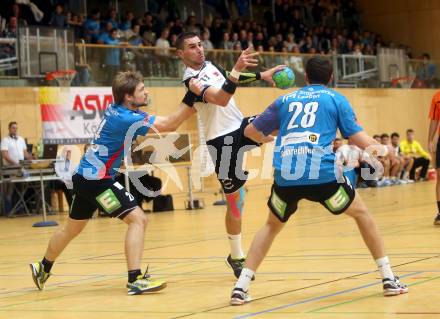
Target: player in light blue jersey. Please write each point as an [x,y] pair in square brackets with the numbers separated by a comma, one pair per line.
[94,185]
[305,168]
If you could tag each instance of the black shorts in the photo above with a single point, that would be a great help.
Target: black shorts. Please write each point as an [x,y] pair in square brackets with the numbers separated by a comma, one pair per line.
[437,155]
[106,194]
[336,197]
[227,154]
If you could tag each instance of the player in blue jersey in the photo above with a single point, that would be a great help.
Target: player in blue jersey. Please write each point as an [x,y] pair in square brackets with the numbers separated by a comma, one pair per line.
[94,185]
[304,168]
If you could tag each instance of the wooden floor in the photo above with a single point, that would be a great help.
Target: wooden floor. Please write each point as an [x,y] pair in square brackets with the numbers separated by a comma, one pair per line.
[317,268]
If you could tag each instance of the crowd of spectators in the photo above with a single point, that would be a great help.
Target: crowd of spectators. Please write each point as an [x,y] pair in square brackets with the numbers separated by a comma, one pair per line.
[311,26]
[290,26]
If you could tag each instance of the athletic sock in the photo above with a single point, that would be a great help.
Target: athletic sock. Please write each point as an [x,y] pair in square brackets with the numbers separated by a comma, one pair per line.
[245,278]
[438,207]
[47,265]
[235,243]
[385,268]
[133,274]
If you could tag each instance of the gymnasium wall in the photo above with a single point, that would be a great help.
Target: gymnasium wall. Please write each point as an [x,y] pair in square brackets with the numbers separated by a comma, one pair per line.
[414,23]
[378,111]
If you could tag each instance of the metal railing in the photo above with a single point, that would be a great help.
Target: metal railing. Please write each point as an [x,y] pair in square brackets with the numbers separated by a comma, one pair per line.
[97,64]
[8,57]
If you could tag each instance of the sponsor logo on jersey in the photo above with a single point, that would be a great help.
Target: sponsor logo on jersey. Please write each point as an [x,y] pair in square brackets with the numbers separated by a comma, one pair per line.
[300,137]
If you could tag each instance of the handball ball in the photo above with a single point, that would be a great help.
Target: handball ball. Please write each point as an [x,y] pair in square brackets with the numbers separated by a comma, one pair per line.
[284,78]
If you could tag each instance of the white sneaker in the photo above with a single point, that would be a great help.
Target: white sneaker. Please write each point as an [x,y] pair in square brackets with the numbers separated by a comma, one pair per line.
[239,297]
[393,287]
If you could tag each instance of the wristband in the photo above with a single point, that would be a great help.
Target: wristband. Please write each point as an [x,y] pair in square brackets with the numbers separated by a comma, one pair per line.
[235,74]
[229,87]
[189,98]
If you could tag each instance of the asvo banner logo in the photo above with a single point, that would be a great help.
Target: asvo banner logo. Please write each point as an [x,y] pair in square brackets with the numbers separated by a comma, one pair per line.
[89,106]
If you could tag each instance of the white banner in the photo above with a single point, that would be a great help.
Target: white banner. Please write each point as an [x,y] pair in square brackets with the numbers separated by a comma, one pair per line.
[72,115]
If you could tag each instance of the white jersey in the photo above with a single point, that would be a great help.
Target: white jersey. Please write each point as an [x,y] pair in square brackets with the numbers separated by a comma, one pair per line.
[217,120]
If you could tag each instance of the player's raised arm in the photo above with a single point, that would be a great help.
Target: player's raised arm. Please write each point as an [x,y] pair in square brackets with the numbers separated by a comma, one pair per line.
[221,96]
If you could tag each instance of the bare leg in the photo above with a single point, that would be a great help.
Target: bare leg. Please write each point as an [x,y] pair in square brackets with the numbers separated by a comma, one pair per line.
[62,237]
[134,239]
[395,168]
[409,164]
[263,241]
[367,227]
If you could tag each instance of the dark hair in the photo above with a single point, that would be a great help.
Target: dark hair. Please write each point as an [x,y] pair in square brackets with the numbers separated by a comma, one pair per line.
[319,70]
[125,83]
[12,123]
[384,135]
[376,136]
[426,55]
[182,37]
[395,134]
[337,139]
[410,130]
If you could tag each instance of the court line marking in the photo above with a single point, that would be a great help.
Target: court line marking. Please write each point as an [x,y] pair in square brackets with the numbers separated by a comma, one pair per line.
[314,299]
[312,286]
[317,298]
[365,297]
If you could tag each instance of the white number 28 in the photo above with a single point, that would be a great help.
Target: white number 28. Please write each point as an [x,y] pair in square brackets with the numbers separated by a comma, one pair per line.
[309,117]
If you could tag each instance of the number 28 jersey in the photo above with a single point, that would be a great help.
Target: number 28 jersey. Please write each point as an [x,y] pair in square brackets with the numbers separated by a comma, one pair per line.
[307,120]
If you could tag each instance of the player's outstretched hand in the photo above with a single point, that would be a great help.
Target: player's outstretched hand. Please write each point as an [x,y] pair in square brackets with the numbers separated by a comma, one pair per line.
[196,86]
[268,74]
[246,59]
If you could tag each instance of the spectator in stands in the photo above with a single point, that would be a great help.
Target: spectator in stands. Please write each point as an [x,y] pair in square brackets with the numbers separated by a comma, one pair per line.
[216,32]
[290,42]
[394,160]
[132,32]
[226,43]
[58,19]
[11,28]
[191,25]
[406,161]
[377,138]
[113,18]
[105,33]
[92,27]
[427,71]
[74,23]
[135,39]
[128,21]
[162,44]
[112,56]
[305,48]
[16,13]
[206,43]
[412,148]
